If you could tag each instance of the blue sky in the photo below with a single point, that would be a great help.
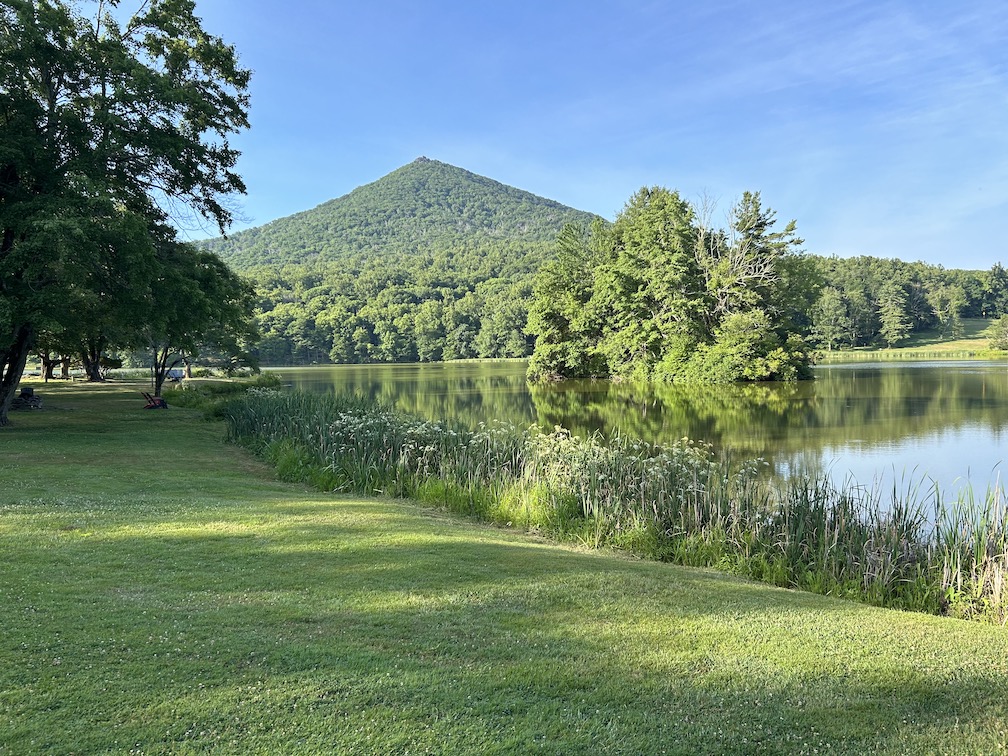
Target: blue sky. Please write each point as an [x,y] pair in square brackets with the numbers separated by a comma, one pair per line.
[881,127]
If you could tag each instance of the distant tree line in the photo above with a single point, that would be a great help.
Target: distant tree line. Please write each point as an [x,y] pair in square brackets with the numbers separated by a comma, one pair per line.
[474,301]
[327,313]
[869,301]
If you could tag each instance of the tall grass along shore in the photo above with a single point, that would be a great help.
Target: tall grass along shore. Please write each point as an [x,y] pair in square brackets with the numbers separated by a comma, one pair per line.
[682,503]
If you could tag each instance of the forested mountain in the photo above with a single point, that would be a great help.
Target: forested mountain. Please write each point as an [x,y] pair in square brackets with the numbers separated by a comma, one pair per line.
[433,262]
[426,209]
[430,262]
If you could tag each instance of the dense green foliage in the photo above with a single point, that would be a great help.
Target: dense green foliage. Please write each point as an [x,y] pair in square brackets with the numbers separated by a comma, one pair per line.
[424,215]
[197,304]
[430,262]
[105,127]
[662,295]
[435,263]
[252,616]
[327,313]
[678,503]
[869,301]
[999,339]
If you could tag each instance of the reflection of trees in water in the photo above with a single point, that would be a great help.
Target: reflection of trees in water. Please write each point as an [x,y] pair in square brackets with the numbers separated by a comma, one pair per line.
[467,393]
[787,424]
[747,419]
[888,404]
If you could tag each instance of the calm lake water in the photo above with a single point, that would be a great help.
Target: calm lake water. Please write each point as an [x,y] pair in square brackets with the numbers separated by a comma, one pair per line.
[899,422]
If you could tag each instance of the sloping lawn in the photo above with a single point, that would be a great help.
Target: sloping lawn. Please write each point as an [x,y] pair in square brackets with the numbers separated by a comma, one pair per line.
[160,592]
[925,345]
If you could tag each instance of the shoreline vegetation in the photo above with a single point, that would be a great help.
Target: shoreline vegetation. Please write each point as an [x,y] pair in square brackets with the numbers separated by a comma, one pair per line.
[905,549]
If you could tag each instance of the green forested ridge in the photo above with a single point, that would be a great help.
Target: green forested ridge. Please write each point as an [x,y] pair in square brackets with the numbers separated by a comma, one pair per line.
[427,213]
[433,262]
[430,262]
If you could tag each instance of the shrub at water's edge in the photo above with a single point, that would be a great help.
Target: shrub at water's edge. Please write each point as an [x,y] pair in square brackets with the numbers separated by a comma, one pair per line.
[679,503]
[207,395]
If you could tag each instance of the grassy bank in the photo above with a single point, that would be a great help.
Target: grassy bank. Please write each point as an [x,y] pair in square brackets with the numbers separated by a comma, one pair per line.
[162,593]
[974,343]
[903,549]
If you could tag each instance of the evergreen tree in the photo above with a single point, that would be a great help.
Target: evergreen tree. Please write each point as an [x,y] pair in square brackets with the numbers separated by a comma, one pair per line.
[895,322]
[653,288]
[831,325]
[559,320]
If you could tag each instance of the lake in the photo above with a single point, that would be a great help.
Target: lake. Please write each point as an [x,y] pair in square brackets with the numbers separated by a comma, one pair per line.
[902,422]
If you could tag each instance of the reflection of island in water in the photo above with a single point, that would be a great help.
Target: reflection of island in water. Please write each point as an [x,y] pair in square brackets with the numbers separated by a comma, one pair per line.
[945,419]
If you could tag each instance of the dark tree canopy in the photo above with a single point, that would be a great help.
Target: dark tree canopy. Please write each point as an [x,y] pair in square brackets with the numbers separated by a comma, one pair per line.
[105,128]
[197,303]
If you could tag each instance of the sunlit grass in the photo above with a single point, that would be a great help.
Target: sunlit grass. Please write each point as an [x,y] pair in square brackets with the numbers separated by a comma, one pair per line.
[679,503]
[162,593]
[927,345]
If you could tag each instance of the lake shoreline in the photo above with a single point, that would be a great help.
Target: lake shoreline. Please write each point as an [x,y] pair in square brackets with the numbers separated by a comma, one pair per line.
[945,420]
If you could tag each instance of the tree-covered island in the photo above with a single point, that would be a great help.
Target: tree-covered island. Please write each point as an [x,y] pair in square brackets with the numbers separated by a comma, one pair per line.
[661,294]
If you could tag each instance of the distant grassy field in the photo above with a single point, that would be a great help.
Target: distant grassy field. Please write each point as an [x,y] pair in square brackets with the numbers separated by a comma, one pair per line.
[927,345]
[160,592]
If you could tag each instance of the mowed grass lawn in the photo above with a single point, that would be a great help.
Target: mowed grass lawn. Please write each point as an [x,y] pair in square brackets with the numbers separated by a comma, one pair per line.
[160,592]
[925,345]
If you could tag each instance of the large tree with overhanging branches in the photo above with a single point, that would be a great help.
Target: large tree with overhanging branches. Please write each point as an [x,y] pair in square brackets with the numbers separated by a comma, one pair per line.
[109,124]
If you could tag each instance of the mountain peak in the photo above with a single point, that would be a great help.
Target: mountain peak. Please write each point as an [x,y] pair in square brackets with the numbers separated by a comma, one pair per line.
[409,212]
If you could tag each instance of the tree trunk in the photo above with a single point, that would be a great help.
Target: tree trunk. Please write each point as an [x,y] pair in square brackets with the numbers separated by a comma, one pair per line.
[91,357]
[160,368]
[12,365]
[48,367]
